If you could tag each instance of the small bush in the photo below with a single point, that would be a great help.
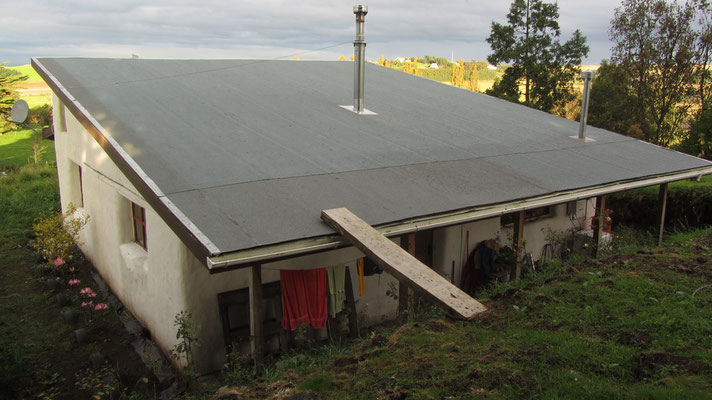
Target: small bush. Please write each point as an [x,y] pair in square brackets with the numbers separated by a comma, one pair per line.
[40,115]
[57,233]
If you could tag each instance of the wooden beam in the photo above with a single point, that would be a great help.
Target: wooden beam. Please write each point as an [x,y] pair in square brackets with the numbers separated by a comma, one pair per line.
[598,223]
[517,238]
[351,305]
[662,206]
[397,262]
[256,328]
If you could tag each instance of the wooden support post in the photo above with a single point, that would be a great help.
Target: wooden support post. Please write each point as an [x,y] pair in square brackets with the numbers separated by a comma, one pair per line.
[404,293]
[256,328]
[662,206]
[517,238]
[400,264]
[598,223]
[351,305]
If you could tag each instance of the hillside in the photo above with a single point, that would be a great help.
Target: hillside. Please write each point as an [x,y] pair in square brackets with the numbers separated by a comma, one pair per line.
[630,326]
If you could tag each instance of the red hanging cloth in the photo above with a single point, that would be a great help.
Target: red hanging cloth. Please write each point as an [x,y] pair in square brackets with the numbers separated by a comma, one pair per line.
[304,298]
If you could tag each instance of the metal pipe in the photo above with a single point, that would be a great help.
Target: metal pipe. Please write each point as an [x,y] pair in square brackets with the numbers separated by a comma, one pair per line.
[587,78]
[359,57]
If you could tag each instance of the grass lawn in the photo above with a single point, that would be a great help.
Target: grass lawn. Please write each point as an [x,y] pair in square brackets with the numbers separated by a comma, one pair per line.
[16,149]
[38,358]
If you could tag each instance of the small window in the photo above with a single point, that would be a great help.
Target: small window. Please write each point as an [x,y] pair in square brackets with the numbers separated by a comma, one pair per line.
[139,224]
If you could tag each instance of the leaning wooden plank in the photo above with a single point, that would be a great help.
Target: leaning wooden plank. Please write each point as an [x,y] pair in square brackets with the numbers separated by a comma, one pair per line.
[397,262]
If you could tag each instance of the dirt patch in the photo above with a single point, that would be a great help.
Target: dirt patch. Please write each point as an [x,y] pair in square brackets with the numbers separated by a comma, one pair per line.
[650,364]
[438,325]
[394,394]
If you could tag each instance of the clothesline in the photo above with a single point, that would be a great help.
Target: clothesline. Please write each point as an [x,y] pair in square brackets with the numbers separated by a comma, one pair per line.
[336,263]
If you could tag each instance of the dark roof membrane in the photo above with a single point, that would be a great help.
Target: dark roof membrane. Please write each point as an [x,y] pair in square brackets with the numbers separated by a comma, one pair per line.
[251,151]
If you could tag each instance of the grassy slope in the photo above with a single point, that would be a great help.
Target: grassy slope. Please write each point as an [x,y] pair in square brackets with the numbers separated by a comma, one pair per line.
[37,356]
[627,327]
[16,149]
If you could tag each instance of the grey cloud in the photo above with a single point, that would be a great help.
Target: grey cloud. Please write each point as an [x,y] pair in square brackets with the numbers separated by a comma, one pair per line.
[393,28]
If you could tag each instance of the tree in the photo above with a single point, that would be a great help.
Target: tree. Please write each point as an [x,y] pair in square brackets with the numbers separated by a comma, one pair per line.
[8,80]
[655,47]
[473,78]
[704,52]
[530,43]
[457,75]
[698,142]
[611,100]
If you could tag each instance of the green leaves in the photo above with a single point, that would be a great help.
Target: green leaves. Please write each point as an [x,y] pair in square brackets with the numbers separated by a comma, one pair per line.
[544,66]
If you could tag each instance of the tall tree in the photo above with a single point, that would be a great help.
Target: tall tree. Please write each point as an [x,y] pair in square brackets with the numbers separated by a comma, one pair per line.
[8,80]
[530,42]
[612,101]
[704,52]
[655,46]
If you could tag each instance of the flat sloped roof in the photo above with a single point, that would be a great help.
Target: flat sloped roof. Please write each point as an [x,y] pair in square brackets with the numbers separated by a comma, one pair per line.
[249,152]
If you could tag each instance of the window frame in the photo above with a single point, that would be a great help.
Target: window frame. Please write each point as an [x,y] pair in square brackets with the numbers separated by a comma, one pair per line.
[530,215]
[139,221]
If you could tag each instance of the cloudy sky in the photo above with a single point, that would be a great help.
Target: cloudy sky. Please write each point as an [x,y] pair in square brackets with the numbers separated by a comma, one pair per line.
[312,29]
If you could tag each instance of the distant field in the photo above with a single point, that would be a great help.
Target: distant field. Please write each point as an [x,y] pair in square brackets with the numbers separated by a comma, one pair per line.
[34,90]
[32,75]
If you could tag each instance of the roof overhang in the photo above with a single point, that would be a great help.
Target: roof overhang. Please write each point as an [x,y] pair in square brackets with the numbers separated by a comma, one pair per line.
[259,255]
[193,238]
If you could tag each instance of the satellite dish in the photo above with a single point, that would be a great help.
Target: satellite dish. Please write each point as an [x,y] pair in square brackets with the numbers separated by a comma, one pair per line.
[19,111]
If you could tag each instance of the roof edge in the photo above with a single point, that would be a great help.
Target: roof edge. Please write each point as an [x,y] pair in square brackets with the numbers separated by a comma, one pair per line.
[192,237]
[248,257]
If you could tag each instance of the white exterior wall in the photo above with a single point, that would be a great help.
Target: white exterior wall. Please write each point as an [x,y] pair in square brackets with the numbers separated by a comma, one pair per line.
[159,283]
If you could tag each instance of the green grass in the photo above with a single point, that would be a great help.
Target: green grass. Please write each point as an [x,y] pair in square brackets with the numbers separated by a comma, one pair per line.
[626,327]
[38,358]
[32,75]
[16,149]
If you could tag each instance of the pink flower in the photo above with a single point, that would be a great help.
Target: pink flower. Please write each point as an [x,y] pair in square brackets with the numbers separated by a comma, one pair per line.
[58,261]
[87,304]
[71,269]
[87,292]
[100,306]
[73,282]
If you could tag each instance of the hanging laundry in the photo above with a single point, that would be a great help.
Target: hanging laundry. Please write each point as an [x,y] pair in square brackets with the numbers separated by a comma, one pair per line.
[304,299]
[336,276]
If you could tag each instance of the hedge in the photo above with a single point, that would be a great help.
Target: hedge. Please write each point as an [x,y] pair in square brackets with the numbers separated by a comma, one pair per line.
[689,205]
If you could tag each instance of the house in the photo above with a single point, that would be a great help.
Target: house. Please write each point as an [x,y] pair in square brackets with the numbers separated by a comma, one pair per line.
[434,65]
[197,172]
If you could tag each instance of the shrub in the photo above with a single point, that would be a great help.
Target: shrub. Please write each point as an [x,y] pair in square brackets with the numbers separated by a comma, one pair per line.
[57,233]
[40,115]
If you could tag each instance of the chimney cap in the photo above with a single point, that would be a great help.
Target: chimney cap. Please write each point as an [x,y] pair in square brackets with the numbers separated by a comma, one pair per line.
[359,9]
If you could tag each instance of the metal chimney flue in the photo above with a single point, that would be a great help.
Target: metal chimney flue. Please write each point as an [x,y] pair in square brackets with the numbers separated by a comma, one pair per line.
[359,58]
[587,78]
